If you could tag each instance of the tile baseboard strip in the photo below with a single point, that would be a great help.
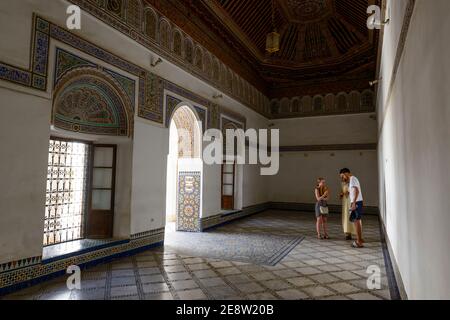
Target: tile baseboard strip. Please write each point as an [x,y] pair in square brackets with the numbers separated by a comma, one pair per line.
[310,207]
[19,264]
[330,147]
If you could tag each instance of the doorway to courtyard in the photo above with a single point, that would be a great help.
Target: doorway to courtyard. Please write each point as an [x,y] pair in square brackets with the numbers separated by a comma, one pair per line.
[80,191]
[184,172]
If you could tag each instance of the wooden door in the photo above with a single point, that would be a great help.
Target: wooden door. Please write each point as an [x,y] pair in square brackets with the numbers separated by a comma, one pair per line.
[228,182]
[100,218]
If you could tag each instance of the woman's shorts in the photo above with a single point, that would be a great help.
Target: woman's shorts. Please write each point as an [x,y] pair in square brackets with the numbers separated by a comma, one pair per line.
[318,205]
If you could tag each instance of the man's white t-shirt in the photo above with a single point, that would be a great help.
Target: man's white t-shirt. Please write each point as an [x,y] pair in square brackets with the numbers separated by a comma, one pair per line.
[354,182]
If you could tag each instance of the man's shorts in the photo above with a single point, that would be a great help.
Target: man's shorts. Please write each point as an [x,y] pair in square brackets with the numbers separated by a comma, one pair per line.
[357,214]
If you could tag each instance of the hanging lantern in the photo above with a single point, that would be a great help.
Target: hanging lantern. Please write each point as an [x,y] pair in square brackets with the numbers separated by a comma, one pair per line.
[273,42]
[273,38]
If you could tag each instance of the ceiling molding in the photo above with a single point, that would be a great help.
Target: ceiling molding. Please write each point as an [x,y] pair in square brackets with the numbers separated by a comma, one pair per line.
[330,39]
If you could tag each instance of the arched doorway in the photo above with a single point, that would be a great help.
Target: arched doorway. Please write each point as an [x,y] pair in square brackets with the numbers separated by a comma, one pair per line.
[184,171]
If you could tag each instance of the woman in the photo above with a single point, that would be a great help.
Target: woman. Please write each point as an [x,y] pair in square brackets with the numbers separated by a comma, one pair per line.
[348,227]
[322,194]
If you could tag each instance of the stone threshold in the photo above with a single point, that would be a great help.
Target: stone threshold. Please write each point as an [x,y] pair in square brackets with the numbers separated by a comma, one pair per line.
[69,249]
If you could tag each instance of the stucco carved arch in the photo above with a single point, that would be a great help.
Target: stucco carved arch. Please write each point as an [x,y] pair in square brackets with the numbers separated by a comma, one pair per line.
[88,100]
[150,23]
[187,119]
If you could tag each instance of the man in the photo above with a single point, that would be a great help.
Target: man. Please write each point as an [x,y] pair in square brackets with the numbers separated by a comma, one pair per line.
[356,205]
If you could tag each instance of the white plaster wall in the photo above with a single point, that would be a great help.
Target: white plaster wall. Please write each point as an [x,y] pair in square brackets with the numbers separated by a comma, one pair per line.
[299,171]
[171,181]
[239,188]
[24,139]
[151,147]
[212,190]
[255,186]
[391,36]
[414,151]
[343,129]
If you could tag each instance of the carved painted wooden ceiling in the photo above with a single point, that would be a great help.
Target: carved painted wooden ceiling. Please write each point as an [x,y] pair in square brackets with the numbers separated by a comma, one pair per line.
[325,44]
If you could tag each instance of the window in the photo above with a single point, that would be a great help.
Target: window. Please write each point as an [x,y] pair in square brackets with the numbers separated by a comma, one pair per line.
[65,205]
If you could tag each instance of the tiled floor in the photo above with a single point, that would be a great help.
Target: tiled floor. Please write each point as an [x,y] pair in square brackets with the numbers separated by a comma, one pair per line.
[248,242]
[314,269]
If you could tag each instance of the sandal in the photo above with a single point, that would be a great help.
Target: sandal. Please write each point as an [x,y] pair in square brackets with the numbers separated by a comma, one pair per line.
[356,245]
[320,237]
[326,237]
